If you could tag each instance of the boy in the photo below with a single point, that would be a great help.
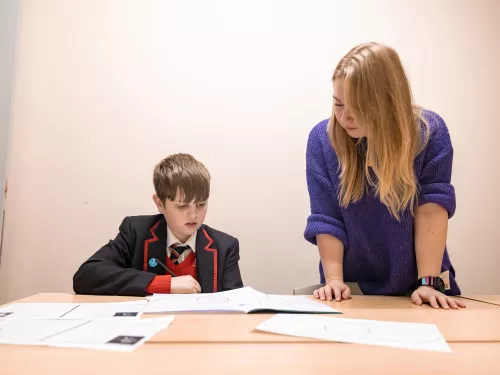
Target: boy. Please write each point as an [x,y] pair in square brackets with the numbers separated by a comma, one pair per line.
[173,252]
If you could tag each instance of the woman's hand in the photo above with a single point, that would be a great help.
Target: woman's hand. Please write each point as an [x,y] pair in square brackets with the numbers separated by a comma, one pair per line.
[333,289]
[435,299]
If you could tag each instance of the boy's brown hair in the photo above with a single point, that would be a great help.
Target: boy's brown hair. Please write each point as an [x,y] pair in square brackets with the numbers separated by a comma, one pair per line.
[184,173]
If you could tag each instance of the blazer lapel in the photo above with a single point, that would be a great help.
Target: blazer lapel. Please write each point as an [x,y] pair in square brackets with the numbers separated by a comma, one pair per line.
[155,246]
[206,259]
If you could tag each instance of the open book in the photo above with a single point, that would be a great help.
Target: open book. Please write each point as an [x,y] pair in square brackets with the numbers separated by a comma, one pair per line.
[244,300]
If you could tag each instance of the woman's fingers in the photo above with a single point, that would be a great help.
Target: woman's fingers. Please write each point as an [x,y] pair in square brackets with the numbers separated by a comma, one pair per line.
[444,303]
[433,302]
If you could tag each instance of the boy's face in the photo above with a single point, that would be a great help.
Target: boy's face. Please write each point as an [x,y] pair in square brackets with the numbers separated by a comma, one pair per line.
[183,219]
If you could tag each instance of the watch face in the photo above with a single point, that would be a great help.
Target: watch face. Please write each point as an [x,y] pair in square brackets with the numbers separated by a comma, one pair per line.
[439,284]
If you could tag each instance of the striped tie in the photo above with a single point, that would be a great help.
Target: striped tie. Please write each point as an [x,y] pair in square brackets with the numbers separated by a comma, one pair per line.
[177,250]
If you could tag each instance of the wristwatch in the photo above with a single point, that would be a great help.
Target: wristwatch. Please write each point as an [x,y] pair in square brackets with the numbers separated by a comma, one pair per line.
[436,282]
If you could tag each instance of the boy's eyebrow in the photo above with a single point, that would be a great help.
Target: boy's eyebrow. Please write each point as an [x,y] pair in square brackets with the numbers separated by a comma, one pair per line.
[194,201]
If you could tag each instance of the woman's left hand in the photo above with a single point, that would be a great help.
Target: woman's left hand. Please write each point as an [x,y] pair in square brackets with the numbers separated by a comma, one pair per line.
[436,299]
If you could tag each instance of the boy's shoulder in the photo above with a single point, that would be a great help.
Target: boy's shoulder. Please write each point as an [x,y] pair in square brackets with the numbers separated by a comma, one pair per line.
[221,238]
[141,223]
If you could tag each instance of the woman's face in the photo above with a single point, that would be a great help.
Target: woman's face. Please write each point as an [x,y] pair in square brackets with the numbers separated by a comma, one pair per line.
[343,114]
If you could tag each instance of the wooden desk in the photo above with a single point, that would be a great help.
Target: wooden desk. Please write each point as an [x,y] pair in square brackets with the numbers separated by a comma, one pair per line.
[477,323]
[243,359]
[487,298]
[456,326]
[208,344]
[356,302]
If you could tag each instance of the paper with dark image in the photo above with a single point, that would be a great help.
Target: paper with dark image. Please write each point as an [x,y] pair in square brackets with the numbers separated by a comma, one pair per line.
[243,300]
[114,335]
[108,310]
[371,332]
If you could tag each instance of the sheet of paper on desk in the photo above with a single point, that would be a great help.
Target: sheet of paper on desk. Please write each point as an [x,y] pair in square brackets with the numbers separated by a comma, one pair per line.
[113,335]
[36,310]
[245,300]
[33,331]
[107,310]
[371,332]
[86,311]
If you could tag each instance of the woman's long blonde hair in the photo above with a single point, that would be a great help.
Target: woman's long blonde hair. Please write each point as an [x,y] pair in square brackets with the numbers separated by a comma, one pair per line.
[378,95]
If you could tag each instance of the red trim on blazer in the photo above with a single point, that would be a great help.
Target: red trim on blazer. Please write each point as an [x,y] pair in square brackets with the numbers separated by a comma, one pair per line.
[208,248]
[147,242]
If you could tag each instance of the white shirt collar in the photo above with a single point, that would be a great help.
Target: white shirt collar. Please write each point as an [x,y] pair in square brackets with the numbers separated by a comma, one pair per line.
[171,239]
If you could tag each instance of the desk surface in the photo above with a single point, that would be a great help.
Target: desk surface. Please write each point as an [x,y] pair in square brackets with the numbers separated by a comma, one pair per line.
[476,323]
[229,344]
[356,302]
[242,359]
[488,298]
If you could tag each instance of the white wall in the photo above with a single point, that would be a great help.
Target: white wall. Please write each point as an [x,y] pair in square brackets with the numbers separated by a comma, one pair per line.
[105,89]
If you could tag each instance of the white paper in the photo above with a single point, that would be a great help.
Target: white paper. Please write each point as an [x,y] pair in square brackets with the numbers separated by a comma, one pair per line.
[237,296]
[290,304]
[113,335]
[107,310]
[229,301]
[36,310]
[243,300]
[372,332]
[33,331]
[86,311]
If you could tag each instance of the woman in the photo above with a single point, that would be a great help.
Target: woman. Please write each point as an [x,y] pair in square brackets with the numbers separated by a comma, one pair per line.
[378,174]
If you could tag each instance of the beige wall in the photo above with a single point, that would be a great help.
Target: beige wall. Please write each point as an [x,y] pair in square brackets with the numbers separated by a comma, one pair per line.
[104,89]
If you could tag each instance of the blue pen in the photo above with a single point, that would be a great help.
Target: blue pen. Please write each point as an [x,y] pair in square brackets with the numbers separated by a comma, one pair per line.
[153,262]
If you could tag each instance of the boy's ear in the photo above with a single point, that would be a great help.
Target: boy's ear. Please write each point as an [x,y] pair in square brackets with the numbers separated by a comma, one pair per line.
[158,203]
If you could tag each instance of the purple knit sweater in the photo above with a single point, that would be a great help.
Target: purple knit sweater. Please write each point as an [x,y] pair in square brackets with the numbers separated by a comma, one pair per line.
[379,250]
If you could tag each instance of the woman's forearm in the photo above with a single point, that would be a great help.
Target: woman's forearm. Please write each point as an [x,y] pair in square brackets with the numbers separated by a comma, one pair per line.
[331,251]
[431,228]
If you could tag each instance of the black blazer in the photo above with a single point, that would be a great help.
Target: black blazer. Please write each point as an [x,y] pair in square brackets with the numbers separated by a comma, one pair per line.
[122,266]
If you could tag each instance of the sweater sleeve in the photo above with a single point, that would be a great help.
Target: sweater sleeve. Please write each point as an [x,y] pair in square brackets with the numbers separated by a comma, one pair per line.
[435,177]
[160,284]
[326,215]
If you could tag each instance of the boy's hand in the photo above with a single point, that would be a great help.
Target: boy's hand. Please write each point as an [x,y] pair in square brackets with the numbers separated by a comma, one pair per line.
[184,285]
[334,289]
[434,298]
